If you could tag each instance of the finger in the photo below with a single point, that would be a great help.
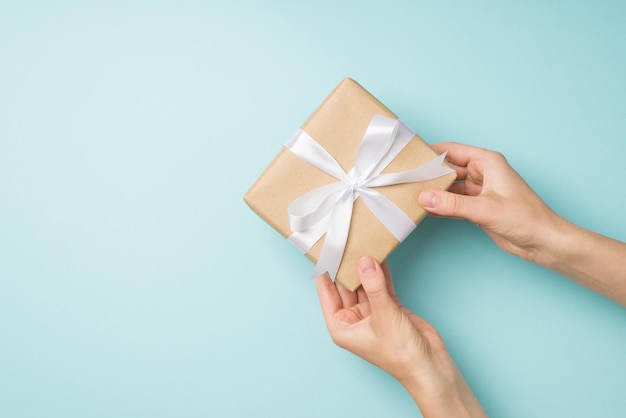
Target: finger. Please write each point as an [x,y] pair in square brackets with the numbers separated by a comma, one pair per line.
[458,188]
[375,286]
[459,154]
[388,281]
[348,298]
[461,172]
[473,189]
[361,295]
[330,300]
[439,202]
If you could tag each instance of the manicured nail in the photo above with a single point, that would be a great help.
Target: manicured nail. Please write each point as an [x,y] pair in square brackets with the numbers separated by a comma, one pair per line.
[366,265]
[428,199]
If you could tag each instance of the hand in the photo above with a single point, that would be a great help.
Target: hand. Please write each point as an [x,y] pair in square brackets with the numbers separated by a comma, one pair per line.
[373,324]
[492,195]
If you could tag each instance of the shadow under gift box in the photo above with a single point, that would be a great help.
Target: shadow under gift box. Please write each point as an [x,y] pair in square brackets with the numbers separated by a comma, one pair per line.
[338,125]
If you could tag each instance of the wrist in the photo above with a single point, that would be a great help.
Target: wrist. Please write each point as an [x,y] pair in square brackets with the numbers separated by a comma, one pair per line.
[558,237]
[441,390]
[593,260]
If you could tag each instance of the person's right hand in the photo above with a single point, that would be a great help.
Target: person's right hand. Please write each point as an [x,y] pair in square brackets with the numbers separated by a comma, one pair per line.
[489,193]
[493,196]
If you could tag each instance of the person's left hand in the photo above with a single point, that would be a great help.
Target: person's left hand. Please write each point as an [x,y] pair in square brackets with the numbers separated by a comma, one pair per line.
[374,325]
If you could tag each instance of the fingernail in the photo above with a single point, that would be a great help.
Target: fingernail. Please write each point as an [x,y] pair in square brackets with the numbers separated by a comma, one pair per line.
[428,199]
[366,265]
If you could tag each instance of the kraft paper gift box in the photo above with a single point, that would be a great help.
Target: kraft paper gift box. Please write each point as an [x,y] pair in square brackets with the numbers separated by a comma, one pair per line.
[339,125]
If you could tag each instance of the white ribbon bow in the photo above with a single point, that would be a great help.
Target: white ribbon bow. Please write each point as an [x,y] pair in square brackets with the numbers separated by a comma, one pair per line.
[328,209]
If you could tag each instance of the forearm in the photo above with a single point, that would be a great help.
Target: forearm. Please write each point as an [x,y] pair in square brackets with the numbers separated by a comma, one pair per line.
[593,260]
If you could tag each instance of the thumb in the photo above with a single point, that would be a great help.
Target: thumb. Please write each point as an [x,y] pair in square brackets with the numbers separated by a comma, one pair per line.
[375,286]
[442,203]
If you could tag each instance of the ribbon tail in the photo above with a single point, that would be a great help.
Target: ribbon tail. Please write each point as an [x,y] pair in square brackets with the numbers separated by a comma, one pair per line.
[391,216]
[336,237]
[429,171]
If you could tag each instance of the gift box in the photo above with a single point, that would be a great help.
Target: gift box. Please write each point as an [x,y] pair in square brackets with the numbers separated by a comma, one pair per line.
[302,190]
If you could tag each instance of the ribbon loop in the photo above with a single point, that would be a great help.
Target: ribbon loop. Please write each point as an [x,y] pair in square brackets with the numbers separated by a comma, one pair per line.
[328,209]
[375,145]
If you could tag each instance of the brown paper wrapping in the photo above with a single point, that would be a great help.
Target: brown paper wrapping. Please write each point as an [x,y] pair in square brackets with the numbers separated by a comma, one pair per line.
[338,125]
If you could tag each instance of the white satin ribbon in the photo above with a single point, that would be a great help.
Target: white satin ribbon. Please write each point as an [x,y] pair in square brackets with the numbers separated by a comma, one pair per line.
[328,209]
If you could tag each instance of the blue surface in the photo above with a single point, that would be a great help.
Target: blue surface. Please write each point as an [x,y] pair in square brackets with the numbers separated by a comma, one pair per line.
[134,282]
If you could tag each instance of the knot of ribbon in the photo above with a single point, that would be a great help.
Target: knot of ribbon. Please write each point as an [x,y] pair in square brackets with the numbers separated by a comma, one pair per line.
[327,210]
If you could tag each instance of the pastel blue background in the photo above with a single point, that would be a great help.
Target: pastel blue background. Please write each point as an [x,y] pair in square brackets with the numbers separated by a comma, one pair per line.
[134,282]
